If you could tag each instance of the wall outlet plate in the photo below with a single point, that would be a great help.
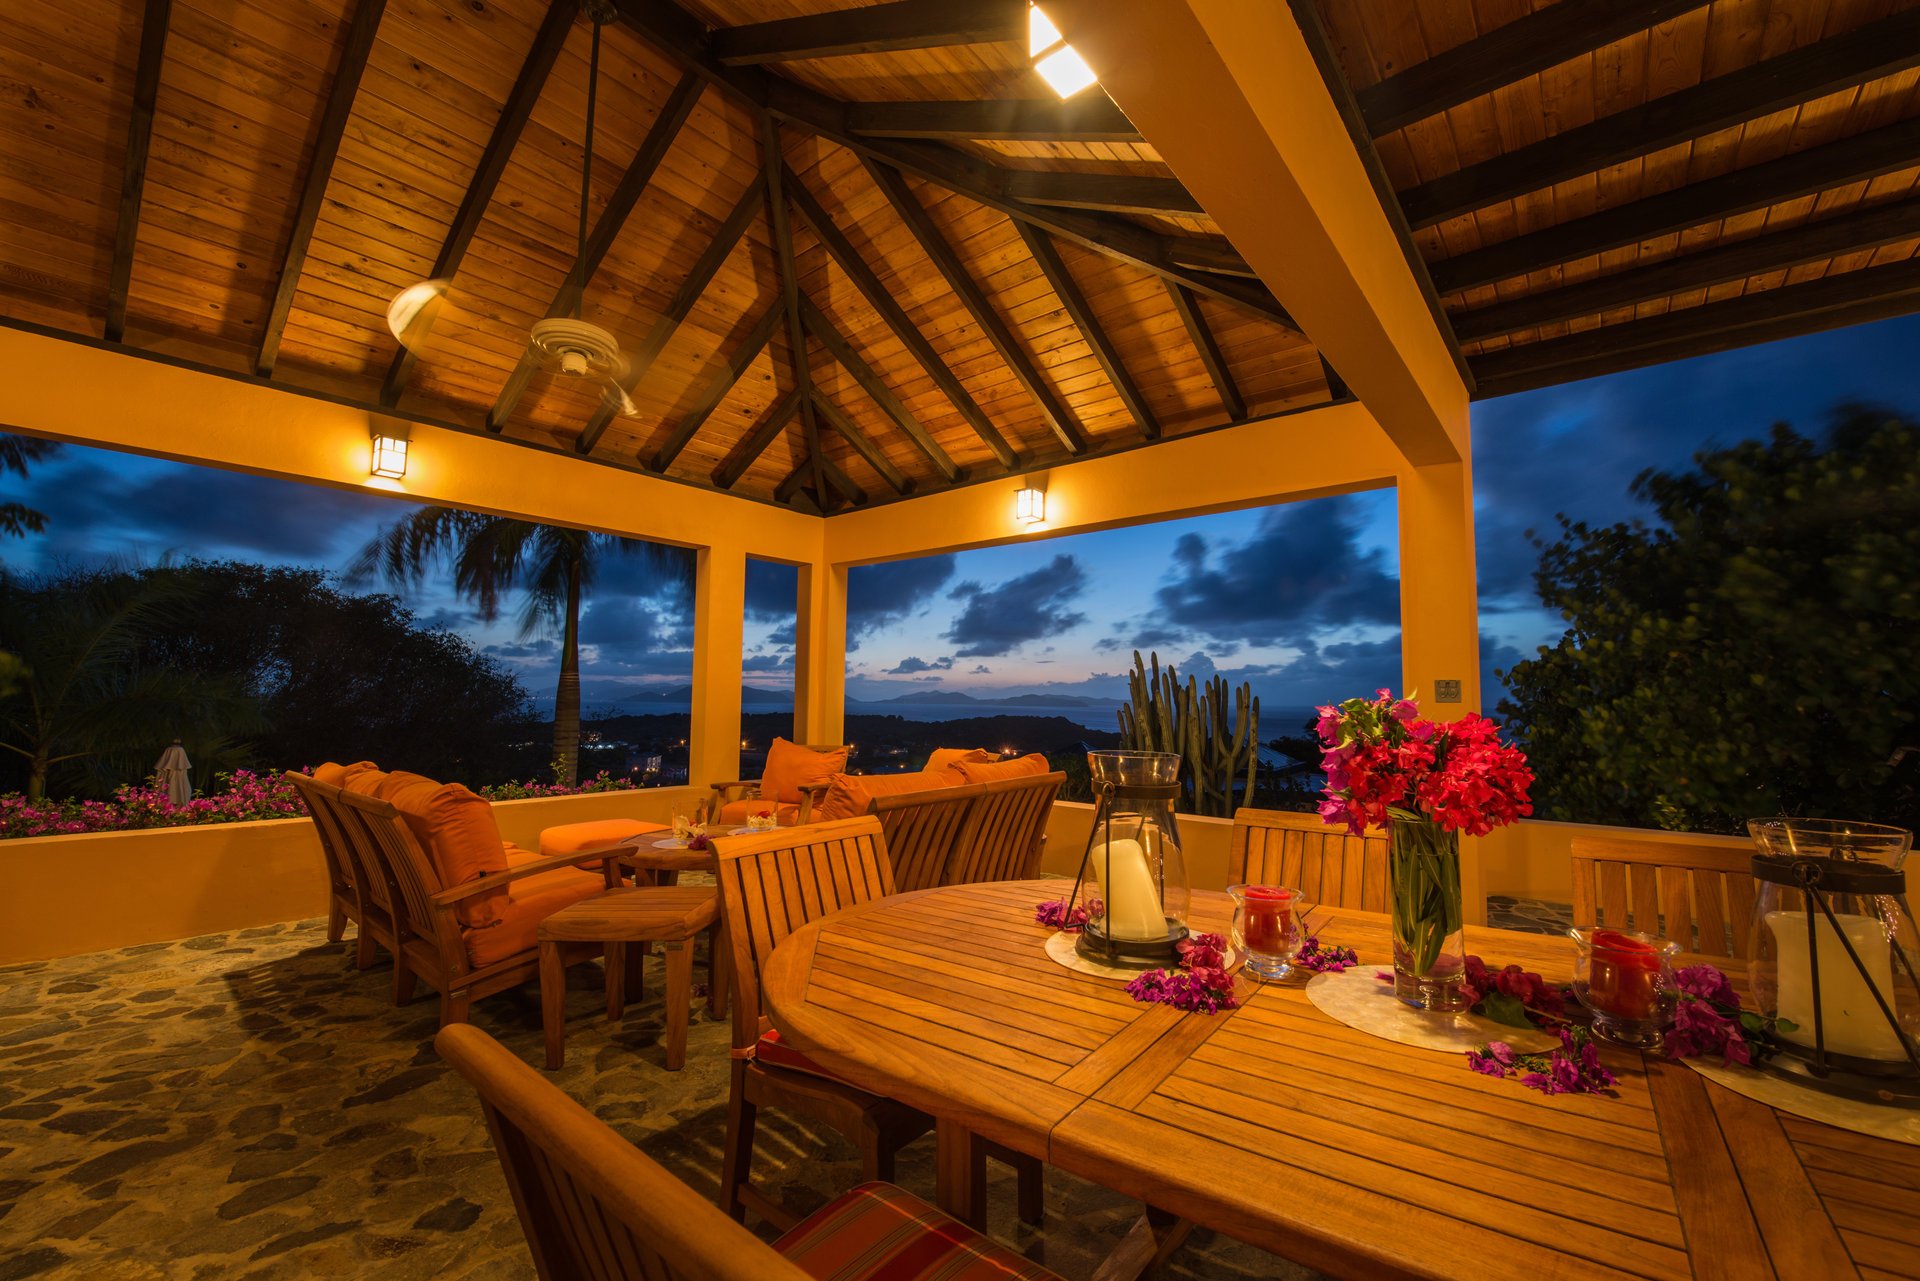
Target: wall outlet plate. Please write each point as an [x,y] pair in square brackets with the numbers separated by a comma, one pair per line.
[1446,691]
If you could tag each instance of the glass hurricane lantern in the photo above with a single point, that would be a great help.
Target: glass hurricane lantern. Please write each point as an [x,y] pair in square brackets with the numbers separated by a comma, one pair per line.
[1137,917]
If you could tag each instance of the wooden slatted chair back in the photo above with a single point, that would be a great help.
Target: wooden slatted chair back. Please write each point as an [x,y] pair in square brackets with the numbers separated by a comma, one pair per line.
[1697,892]
[1005,831]
[408,870]
[772,884]
[1326,864]
[593,1206]
[920,829]
[377,885]
[342,875]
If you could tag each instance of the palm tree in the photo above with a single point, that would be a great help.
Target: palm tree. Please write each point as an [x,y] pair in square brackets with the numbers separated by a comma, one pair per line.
[16,452]
[493,555]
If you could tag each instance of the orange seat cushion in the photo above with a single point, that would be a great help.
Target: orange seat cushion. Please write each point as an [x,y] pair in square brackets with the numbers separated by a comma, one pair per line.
[994,771]
[735,814]
[605,833]
[335,775]
[879,1232]
[527,903]
[852,793]
[774,1052]
[456,829]
[946,760]
[791,769]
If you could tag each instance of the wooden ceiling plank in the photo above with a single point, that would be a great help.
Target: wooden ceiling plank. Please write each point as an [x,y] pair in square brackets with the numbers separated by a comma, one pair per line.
[1509,53]
[839,480]
[1871,52]
[1777,251]
[1801,173]
[755,443]
[863,445]
[1067,289]
[606,228]
[723,381]
[548,41]
[882,28]
[1209,253]
[1092,117]
[333,126]
[781,185]
[1210,354]
[146,87]
[881,299]
[679,307]
[1058,418]
[1109,192]
[842,351]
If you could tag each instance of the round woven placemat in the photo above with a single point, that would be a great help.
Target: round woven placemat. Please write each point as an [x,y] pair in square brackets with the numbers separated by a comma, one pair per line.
[1358,999]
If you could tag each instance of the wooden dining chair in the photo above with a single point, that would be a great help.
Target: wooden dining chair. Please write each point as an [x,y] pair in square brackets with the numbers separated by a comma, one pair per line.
[595,1208]
[1327,865]
[1698,892]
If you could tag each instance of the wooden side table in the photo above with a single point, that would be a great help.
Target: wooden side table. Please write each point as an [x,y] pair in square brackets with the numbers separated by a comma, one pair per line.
[668,915]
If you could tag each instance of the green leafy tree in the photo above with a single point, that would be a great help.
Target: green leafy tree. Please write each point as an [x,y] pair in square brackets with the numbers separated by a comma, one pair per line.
[493,556]
[17,454]
[1755,652]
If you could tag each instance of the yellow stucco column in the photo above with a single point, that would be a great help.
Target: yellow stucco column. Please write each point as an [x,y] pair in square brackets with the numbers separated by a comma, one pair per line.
[719,619]
[820,655]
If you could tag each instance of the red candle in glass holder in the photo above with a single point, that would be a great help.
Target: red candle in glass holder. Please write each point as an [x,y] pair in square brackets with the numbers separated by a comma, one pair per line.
[1268,923]
[1624,979]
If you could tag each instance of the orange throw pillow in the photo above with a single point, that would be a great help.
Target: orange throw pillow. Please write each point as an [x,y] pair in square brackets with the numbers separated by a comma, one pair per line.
[364,777]
[852,793]
[947,760]
[457,830]
[335,775]
[994,771]
[792,768]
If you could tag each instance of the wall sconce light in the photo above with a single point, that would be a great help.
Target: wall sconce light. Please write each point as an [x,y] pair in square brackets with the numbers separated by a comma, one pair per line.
[1030,504]
[389,452]
[1058,63]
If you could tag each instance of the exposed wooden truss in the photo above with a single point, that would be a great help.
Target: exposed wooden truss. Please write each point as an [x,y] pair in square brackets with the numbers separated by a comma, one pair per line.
[146,87]
[1067,290]
[754,443]
[863,445]
[781,184]
[1209,349]
[1092,118]
[870,382]
[903,24]
[722,382]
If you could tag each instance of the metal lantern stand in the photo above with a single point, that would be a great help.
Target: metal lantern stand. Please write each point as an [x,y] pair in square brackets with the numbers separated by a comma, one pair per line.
[1095,943]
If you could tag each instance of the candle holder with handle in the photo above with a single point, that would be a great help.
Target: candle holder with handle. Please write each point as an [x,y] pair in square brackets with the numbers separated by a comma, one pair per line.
[1832,956]
[1138,917]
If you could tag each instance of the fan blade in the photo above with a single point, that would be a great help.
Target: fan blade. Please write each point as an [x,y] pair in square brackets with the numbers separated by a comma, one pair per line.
[414,309]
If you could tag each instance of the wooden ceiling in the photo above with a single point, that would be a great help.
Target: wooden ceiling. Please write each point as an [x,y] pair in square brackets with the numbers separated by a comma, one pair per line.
[1593,185]
[852,256]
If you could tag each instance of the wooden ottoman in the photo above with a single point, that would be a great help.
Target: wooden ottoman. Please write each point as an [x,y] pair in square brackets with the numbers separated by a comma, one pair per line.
[668,915]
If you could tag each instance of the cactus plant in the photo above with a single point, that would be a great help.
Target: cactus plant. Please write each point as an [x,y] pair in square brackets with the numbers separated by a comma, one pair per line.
[1192,721]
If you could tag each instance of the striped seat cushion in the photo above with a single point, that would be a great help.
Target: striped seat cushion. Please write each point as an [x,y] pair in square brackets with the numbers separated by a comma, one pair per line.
[774,1052]
[878,1232]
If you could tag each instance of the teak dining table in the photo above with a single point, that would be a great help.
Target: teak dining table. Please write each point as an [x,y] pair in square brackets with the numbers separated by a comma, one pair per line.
[1281,1127]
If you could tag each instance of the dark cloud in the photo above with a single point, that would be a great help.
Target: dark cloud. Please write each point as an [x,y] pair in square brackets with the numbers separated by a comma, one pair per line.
[878,595]
[636,636]
[767,663]
[982,670]
[913,665]
[998,620]
[772,591]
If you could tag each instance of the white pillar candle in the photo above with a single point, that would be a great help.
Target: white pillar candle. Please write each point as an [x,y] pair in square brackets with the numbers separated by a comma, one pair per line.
[1851,1019]
[1132,896]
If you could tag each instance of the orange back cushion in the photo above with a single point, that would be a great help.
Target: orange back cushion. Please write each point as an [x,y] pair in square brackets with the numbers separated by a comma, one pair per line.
[792,768]
[994,771]
[457,830]
[364,777]
[852,793]
[946,760]
[335,775]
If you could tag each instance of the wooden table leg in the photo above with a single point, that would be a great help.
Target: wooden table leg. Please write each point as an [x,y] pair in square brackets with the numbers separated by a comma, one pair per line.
[959,1180]
[616,968]
[1154,1237]
[679,957]
[553,1003]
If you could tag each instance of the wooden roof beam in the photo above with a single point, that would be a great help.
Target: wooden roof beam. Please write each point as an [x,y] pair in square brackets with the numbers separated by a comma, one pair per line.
[1210,354]
[514,114]
[1878,49]
[1870,228]
[724,379]
[326,146]
[1209,253]
[679,307]
[606,229]
[1090,117]
[863,445]
[795,485]
[133,176]
[881,299]
[1545,38]
[1067,289]
[748,450]
[882,28]
[870,382]
[1854,159]
[1058,418]
[1109,192]
[780,186]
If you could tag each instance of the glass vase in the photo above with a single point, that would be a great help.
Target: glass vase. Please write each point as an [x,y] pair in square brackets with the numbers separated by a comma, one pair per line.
[1429,953]
[1137,907]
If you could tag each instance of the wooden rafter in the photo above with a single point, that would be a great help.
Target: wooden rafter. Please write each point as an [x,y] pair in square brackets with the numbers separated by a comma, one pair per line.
[1053,411]
[1207,253]
[518,109]
[724,379]
[1855,159]
[606,229]
[1092,117]
[1110,192]
[839,480]
[154,23]
[841,350]
[881,299]
[1545,38]
[1879,49]
[1757,255]
[780,188]
[679,307]
[1054,268]
[1337,389]
[793,488]
[1210,353]
[884,28]
[333,127]
[863,445]
[754,444]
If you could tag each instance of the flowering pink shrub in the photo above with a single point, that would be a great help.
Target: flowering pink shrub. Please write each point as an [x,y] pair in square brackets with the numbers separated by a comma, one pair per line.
[245,796]
[1381,756]
[601,782]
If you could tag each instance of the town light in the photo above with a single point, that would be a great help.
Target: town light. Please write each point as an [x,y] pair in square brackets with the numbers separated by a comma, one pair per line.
[1058,63]
[1030,505]
[389,456]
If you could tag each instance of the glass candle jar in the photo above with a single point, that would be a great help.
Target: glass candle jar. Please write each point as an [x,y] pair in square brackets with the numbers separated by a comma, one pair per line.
[1626,981]
[1133,878]
[1266,926]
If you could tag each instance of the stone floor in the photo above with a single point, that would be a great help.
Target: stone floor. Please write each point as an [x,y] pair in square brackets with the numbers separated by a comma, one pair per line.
[1535,916]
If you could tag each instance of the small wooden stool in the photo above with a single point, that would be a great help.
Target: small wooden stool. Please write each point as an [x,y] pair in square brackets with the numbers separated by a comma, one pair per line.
[668,915]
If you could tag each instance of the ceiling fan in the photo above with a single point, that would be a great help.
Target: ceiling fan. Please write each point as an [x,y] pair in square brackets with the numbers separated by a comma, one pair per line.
[567,346]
